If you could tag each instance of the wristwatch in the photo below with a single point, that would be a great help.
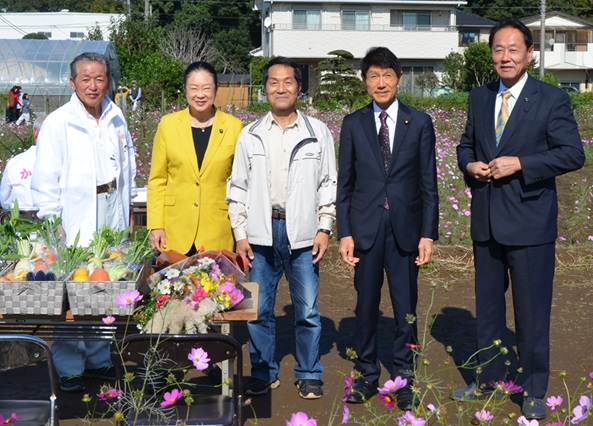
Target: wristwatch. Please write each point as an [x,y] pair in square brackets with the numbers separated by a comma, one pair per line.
[326,231]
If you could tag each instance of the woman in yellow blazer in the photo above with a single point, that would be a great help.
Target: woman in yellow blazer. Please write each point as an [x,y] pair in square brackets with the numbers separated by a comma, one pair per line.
[192,158]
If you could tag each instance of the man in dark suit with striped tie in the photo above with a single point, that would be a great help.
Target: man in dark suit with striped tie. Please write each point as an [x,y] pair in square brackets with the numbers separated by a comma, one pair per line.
[520,134]
[387,216]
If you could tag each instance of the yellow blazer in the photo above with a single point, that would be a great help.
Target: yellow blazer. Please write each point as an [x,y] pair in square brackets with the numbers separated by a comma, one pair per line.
[186,201]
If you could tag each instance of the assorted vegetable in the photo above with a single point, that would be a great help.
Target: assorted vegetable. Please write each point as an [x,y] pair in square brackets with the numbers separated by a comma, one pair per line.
[35,251]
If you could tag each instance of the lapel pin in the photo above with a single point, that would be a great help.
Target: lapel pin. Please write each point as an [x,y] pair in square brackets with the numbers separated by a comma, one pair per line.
[526,99]
[406,121]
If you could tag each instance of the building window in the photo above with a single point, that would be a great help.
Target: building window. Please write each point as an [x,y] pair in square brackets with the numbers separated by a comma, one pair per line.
[408,81]
[549,36]
[306,19]
[357,20]
[417,20]
[468,37]
[76,35]
[48,35]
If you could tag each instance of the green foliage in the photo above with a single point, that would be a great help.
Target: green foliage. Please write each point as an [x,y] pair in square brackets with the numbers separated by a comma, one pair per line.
[499,9]
[478,65]
[136,43]
[35,36]
[95,33]
[258,107]
[581,100]
[453,71]
[99,6]
[548,77]
[256,68]
[457,100]
[340,86]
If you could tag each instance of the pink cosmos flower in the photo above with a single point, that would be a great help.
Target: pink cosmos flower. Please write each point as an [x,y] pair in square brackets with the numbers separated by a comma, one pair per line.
[108,319]
[128,298]
[347,388]
[392,386]
[301,419]
[484,416]
[509,387]
[13,418]
[581,412]
[199,357]
[387,399]
[408,419]
[554,401]
[524,422]
[110,394]
[345,415]
[591,375]
[170,398]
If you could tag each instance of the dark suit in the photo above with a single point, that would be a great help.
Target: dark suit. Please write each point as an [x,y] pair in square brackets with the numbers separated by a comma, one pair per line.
[514,220]
[386,239]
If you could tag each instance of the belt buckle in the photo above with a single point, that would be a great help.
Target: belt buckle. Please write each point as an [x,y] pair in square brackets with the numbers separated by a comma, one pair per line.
[110,187]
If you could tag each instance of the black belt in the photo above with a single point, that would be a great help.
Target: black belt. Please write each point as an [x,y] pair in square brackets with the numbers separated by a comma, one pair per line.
[107,187]
[278,214]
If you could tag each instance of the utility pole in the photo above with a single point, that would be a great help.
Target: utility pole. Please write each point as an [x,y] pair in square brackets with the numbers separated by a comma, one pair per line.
[146,9]
[542,39]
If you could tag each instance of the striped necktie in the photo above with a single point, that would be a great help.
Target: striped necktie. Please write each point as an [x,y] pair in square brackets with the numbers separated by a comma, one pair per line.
[503,115]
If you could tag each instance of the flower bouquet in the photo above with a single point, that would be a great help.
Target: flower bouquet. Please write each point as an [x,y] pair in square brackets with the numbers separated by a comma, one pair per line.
[186,296]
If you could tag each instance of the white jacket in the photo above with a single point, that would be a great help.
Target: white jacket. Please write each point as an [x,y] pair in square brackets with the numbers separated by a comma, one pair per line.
[311,187]
[16,181]
[64,177]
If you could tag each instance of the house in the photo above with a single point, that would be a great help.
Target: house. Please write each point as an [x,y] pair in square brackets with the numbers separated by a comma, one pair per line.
[420,32]
[64,25]
[472,29]
[568,53]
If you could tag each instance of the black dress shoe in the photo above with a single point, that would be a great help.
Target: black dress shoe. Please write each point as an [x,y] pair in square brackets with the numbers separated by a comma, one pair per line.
[406,399]
[362,390]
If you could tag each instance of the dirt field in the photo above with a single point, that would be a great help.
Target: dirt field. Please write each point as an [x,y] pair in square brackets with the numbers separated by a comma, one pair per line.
[454,326]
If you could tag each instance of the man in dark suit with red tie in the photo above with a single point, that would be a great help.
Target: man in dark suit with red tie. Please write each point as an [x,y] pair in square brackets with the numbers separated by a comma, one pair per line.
[520,134]
[387,216]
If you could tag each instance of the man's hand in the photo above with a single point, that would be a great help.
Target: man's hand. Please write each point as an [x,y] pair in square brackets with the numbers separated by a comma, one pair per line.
[243,248]
[479,171]
[504,166]
[158,240]
[320,245]
[425,251]
[347,251]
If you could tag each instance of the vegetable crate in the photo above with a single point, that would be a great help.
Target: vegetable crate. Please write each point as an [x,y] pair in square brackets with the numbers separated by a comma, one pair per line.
[32,297]
[97,298]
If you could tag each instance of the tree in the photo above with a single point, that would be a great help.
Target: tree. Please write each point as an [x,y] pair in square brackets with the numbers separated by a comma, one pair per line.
[453,71]
[339,81]
[427,81]
[95,34]
[187,45]
[141,59]
[478,65]
[35,36]
[500,9]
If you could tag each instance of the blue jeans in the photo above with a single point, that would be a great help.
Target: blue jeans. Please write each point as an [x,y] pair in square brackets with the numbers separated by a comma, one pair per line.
[71,358]
[303,281]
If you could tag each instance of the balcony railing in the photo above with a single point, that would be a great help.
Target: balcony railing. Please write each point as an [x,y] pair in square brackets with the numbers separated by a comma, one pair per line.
[372,27]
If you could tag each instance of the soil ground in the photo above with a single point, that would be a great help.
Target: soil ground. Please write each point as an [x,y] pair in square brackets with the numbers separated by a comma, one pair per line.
[450,308]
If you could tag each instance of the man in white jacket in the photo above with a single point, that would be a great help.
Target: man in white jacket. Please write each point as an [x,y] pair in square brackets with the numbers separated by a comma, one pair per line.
[282,206]
[84,174]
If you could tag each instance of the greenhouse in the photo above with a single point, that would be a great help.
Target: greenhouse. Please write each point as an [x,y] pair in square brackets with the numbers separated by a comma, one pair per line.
[42,68]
